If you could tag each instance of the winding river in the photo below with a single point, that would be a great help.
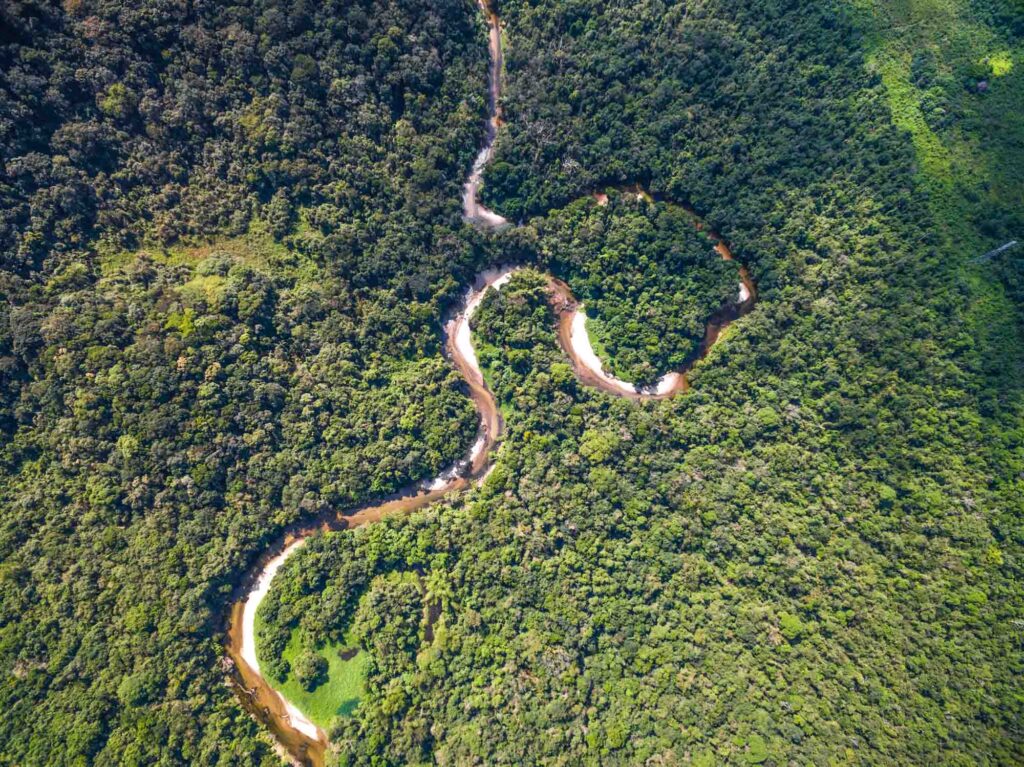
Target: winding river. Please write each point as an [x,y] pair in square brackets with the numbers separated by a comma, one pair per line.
[300,740]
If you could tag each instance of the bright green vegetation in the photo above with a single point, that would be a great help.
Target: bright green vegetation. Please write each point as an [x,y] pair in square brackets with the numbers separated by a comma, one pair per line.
[950,80]
[339,691]
[228,235]
[327,679]
[256,247]
[581,595]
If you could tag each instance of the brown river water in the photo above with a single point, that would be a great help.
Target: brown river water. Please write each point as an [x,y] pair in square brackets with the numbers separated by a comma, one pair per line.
[300,741]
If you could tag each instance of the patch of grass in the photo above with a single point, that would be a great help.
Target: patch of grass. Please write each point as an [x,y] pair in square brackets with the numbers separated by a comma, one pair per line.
[999,64]
[347,663]
[256,248]
[204,287]
[339,695]
[905,105]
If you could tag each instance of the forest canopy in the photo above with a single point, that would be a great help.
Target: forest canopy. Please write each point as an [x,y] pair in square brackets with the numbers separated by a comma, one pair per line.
[229,233]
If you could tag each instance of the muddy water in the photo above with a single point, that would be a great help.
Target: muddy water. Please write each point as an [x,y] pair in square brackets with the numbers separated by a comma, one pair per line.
[472,210]
[304,742]
[299,739]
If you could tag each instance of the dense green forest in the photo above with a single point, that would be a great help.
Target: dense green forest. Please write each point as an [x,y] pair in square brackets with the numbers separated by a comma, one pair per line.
[228,235]
[647,277]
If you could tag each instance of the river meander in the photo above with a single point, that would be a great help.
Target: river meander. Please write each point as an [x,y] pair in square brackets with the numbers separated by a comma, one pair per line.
[299,738]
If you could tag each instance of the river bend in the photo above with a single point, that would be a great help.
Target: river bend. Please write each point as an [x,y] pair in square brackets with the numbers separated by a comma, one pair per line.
[299,739]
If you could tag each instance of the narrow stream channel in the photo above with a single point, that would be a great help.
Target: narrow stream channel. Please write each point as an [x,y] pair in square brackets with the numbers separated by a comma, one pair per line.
[300,740]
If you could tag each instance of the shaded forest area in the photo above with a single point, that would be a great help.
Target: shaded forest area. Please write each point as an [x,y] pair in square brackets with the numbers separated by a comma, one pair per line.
[228,231]
[228,234]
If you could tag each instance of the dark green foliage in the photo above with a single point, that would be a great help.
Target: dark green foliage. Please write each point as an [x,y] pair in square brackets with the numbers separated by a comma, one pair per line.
[647,277]
[813,557]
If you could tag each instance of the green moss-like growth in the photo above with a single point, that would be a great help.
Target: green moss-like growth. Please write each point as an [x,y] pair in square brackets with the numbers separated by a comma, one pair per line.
[326,682]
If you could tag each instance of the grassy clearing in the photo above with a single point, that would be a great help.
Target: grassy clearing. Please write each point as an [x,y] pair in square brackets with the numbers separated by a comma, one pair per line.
[345,685]
[339,695]
[905,104]
[256,249]
[954,80]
